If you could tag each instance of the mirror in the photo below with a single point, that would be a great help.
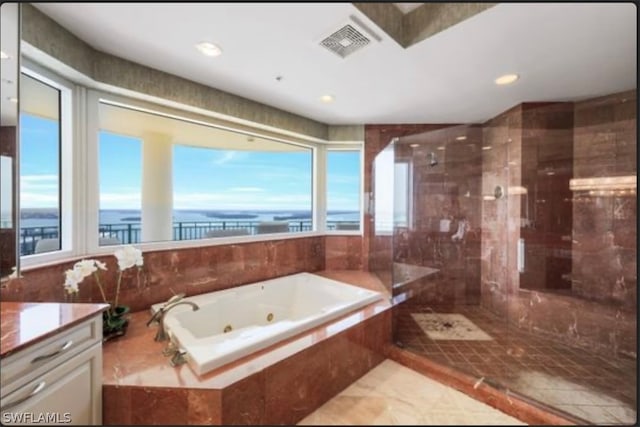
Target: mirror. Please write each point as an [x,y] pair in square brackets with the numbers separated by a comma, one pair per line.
[10,36]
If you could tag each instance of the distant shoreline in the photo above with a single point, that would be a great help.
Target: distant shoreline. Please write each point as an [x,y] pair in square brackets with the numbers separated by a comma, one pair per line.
[284,214]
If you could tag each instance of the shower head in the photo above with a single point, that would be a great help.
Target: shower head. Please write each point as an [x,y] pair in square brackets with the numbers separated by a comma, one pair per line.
[433,159]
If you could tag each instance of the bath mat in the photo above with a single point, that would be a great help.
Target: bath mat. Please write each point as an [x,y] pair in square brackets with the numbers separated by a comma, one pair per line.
[447,326]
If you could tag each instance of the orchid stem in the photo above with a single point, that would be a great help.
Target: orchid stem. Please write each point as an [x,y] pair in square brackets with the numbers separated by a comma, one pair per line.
[115,304]
[97,276]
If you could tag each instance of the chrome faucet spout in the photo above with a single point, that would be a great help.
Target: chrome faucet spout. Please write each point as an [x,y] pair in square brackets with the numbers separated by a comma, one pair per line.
[158,316]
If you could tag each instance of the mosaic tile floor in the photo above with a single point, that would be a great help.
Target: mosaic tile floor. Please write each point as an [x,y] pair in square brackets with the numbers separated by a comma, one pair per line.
[391,394]
[598,390]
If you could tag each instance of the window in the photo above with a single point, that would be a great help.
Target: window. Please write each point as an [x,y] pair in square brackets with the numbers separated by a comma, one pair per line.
[221,192]
[393,188]
[173,179]
[120,178]
[343,190]
[402,194]
[6,192]
[40,167]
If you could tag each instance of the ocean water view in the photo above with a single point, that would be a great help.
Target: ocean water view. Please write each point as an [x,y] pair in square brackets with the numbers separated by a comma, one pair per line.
[49,217]
[124,225]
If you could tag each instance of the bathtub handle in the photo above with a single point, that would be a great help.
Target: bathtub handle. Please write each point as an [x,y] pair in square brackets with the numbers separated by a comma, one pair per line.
[178,358]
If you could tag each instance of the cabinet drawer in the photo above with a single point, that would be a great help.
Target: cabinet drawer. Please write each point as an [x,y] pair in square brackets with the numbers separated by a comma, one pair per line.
[68,394]
[23,366]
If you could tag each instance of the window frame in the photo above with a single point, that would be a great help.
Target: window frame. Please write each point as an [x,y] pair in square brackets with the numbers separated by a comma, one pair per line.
[95,97]
[351,147]
[79,171]
[69,161]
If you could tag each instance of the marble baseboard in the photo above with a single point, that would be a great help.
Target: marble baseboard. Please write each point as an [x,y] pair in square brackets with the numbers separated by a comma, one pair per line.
[508,403]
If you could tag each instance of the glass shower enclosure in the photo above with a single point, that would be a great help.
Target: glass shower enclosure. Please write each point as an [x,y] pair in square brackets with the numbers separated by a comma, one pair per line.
[510,247]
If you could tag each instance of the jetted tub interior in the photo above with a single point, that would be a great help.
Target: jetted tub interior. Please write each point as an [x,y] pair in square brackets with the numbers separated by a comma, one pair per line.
[239,321]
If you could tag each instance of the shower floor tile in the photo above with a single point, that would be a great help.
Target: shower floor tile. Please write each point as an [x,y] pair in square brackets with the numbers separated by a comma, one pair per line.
[598,390]
[391,394]
[449,326]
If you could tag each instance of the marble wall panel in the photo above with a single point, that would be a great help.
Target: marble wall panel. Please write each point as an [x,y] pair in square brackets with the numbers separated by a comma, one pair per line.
[189,270]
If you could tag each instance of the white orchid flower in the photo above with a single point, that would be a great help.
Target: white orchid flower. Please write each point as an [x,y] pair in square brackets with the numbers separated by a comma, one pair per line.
[72,278]
[128,256]
[86,267]
[101,265]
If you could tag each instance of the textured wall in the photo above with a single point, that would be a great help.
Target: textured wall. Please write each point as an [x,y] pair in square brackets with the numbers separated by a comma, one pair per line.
[48,36]
[432,18]
[420,23]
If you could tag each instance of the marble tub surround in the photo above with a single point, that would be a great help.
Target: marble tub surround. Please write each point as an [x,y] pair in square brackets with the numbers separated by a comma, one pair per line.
[24,324]
[278,385]
[189,270]
[343,253]
[392,394]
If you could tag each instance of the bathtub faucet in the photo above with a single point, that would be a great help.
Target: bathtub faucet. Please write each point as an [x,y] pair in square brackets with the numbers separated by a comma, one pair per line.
[158,316]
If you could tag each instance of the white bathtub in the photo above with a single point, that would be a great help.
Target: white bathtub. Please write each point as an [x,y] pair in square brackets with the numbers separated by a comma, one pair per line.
[258,315]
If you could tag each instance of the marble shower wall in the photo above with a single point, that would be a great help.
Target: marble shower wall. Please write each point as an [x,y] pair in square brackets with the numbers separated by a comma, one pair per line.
[501,168]
[605,222]
[446,184]
[377,254]
[580,279]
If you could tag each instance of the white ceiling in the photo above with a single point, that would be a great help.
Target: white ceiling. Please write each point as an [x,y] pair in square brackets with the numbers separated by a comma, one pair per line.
[562,51]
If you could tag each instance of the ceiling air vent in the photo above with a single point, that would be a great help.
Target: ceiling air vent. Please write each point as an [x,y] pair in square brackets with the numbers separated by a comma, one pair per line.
[345,41]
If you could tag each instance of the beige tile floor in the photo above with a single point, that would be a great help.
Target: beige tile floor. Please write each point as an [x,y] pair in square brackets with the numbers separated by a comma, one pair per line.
[391,394]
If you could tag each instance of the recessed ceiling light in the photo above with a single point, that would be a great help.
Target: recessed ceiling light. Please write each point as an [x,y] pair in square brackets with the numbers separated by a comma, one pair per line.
[209,49]
[327,98]
[440,148]
[414,145]
[461,138]
[506,79]
[3,55]
[487,147]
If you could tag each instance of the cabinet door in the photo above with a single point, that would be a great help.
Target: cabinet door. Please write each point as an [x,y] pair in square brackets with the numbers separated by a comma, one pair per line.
[69,394]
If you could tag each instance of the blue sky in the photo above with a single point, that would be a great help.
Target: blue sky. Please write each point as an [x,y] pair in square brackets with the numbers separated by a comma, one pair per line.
[203,178]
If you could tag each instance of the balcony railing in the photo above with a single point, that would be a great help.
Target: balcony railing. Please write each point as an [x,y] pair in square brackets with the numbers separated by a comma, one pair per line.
[125,233]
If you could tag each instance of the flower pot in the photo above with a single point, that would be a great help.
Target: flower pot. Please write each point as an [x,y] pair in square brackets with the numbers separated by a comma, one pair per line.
[114,322]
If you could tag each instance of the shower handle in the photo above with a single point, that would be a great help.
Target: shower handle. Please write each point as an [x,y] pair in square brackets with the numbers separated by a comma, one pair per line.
[520,256]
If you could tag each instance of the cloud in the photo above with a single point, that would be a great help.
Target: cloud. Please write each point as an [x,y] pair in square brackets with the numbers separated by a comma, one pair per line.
[247,189]
[38,200]
[226,157]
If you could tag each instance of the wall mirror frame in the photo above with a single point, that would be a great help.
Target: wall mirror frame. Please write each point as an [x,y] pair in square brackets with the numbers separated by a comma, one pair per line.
[9,141]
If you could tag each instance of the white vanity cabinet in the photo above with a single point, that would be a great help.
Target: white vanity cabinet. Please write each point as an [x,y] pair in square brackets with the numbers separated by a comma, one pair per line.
[57,381]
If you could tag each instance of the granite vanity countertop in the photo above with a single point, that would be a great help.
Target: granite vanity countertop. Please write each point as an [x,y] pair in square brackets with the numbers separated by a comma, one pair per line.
[25,323]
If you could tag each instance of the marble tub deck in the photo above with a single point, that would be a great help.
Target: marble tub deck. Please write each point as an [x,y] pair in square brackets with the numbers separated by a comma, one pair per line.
[278,385]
